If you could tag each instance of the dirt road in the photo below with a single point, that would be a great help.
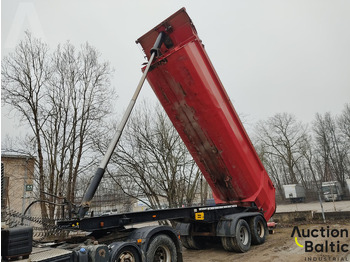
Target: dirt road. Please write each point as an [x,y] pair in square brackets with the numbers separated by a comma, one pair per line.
[280,246]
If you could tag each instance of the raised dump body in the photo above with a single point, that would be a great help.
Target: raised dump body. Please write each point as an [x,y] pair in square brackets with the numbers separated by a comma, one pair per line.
[195,100]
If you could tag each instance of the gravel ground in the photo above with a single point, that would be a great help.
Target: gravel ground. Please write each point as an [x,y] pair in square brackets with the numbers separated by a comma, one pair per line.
[281,246]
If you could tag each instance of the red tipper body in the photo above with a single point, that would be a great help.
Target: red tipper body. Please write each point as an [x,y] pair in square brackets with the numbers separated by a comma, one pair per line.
[196,102]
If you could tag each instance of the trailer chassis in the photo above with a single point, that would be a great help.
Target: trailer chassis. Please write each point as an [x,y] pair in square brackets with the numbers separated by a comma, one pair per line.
[237,227]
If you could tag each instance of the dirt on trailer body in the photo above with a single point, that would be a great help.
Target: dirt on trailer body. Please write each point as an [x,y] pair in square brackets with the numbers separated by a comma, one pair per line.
[321,242]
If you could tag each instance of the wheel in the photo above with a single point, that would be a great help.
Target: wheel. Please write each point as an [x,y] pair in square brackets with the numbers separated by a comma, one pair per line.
[161,249]
[241,241]
[258,229]
[193,242]
[126,253]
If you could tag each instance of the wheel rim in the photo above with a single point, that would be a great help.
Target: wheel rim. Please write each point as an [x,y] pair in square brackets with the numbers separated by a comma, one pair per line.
[162,254]
[244,235]
[260,229]
[126,257]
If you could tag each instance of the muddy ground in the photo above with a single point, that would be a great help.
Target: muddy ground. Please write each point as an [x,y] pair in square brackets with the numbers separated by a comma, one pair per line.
[280,246]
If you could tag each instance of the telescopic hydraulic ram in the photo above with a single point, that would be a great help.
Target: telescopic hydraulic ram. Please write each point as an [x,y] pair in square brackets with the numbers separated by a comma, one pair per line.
[90,192]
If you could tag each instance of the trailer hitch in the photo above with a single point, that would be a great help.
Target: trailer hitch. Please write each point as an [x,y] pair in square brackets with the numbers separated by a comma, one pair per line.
[91,190]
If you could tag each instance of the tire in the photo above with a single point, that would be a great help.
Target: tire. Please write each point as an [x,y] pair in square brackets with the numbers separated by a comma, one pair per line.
[258,229]
[126,254]
[241,241]
[161,249]
[193,242]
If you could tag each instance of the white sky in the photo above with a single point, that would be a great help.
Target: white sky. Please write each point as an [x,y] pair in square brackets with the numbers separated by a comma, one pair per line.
[272,56]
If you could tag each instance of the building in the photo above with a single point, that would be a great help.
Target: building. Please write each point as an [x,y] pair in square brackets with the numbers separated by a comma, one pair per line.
[17,181]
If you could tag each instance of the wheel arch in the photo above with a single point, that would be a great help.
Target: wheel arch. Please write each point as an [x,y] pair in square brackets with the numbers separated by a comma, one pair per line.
[226,227]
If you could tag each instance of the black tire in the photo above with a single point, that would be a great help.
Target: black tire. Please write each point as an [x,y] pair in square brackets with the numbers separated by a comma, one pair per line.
[193,242]
[126,254]
[258,229]
[241,241]
[227,244]
[161,249]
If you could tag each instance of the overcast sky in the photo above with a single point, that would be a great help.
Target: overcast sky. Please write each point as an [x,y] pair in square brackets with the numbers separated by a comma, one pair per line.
[271,56]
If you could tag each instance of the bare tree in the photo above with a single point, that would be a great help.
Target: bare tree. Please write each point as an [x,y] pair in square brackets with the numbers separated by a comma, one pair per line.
[81,99]
[331,147]
[344,123]
[271,163]
[153,163]
[308,151]
[344,126]
[25,73]
[62,97]
[282,137]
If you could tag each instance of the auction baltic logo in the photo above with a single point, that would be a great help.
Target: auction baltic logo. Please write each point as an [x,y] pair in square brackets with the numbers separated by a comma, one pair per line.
[322,240]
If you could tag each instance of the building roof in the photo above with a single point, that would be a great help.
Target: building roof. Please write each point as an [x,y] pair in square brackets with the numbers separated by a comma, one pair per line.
[15,154]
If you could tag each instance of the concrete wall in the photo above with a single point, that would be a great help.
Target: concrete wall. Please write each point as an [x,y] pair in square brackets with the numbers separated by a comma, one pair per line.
[19,172]
[308,216]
